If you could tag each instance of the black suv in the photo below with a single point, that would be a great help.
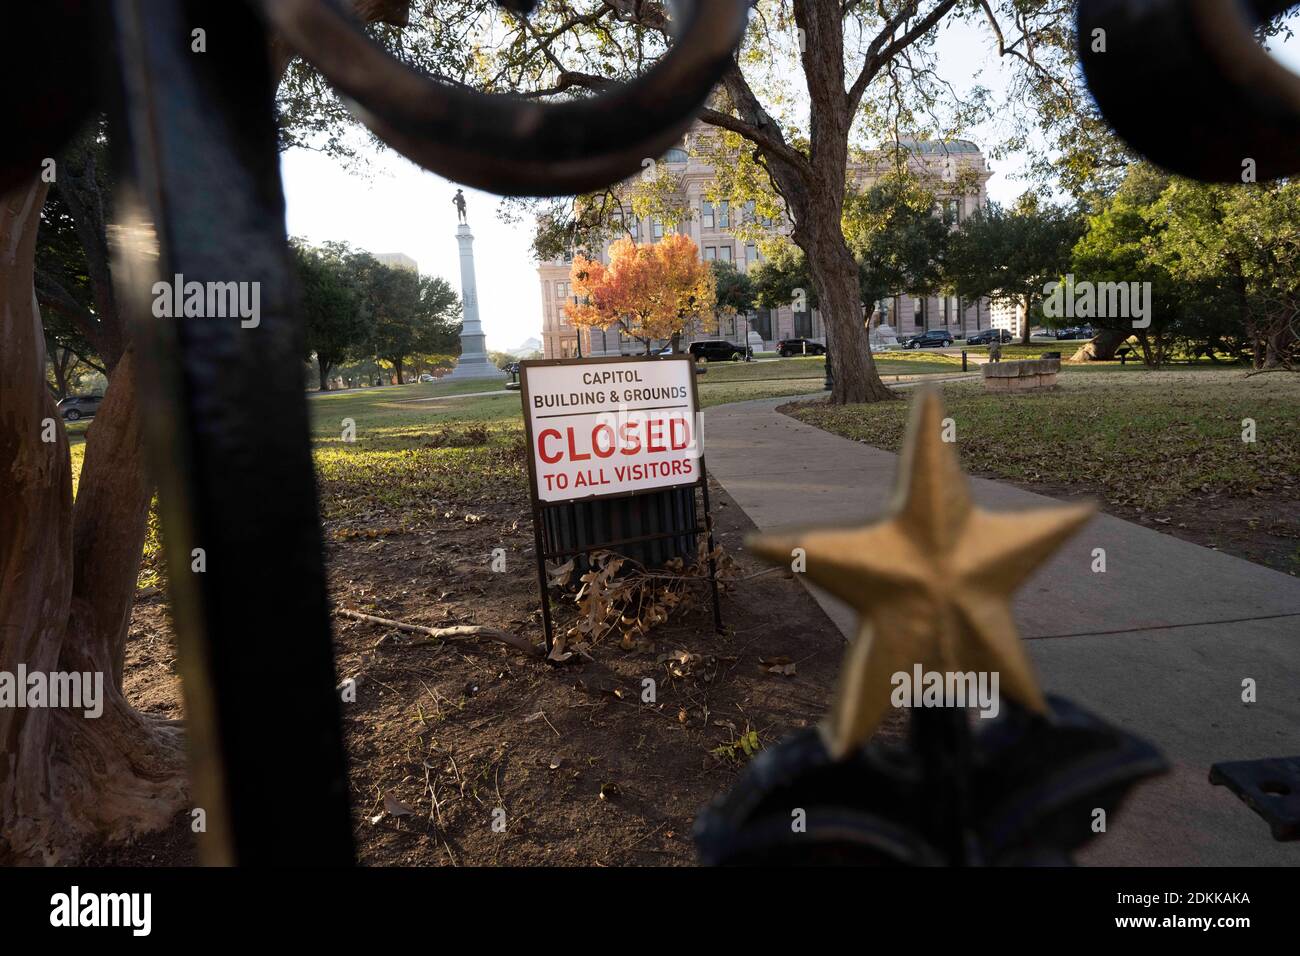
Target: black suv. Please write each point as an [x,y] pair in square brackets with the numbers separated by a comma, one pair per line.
[75,407]
[933,339]
[787,347]
[717,350]
[989,336]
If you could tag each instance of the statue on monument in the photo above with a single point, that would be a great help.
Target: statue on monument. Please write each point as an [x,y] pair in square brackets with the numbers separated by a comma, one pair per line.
[474,362]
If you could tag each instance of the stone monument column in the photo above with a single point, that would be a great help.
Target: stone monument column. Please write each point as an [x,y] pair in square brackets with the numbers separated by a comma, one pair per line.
[474,361]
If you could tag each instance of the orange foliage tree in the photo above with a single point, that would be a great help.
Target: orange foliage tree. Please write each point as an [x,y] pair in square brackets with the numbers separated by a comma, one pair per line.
[650,292]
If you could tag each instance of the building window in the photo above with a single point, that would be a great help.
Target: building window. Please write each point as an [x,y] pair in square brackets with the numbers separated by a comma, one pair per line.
[724,215]
[762,323]
[706,214]
[656,229]
[803,325]
[710,253]
[918,313]
[947,302]
[724,253]
[751,254]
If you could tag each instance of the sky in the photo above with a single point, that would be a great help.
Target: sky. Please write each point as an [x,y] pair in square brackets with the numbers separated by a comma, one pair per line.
[392,205]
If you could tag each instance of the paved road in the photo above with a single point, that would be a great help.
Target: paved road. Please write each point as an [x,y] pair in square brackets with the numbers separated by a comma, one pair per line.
[1160,643]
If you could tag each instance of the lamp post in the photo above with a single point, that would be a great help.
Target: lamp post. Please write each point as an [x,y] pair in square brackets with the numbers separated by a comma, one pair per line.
[829,384]
[573,257]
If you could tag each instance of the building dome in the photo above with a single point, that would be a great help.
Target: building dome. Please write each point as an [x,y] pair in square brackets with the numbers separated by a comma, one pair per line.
[935,147]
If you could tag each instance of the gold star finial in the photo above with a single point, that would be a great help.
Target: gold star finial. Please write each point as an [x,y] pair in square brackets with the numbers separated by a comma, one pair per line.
[932,582]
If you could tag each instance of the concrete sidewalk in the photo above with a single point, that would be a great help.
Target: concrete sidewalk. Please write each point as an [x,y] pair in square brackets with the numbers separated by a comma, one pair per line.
[1159,644]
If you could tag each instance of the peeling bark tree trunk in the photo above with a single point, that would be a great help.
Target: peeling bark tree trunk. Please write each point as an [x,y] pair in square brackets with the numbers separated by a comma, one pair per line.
[67,584]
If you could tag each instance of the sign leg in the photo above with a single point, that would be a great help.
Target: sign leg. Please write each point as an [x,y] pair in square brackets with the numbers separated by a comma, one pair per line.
[543,585]
[713,565]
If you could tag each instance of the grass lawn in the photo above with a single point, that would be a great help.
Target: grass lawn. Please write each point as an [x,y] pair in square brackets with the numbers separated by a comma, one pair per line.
[1161,446]
[814,367]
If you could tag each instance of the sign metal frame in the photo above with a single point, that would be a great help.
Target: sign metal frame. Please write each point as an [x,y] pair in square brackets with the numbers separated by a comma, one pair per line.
[542,546]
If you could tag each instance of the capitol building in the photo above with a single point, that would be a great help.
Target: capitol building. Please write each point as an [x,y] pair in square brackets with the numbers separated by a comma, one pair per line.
[713,229]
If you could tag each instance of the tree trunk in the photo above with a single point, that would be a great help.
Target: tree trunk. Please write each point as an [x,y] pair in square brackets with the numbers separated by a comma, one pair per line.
[397,370]
[1103,346]
[324,367]
[67,585]
[1276,342]
[835,272]
[1025,331]
[59,362]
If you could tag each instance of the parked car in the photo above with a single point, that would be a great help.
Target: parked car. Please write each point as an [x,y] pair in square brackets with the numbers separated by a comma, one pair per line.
[717,350]
[989,336]
[933,339]
[426,377]
[75,407]
[787,347]
[1076,332]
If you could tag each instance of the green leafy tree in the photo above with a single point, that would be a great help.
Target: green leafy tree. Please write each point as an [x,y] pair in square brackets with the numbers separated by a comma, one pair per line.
[410,314]
[337,325]
[1012,253]
[1116,248]
[1244,240]
[896,237]
[733,292]
[782,278]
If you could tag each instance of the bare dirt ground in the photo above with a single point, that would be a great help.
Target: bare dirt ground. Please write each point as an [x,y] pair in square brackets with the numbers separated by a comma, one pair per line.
[443,735]
[1263,530]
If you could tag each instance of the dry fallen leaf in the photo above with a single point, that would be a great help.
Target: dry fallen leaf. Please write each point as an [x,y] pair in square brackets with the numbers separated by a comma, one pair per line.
[396,808]
[777,665]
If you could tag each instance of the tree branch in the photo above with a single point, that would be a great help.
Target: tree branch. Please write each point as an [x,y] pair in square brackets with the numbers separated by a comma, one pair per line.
[882,50]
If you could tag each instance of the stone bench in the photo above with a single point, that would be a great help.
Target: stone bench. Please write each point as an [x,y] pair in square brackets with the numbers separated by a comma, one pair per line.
[1021,376]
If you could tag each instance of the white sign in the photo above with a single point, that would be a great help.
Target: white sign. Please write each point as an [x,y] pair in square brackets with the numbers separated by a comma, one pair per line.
[611,427]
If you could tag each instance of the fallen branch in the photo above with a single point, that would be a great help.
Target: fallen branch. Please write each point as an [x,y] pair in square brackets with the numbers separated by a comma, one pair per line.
[458,633]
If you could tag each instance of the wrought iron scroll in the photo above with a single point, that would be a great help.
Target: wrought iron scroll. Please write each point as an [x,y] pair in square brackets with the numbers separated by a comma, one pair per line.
[199,200]
[512,145]
[1187,84]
